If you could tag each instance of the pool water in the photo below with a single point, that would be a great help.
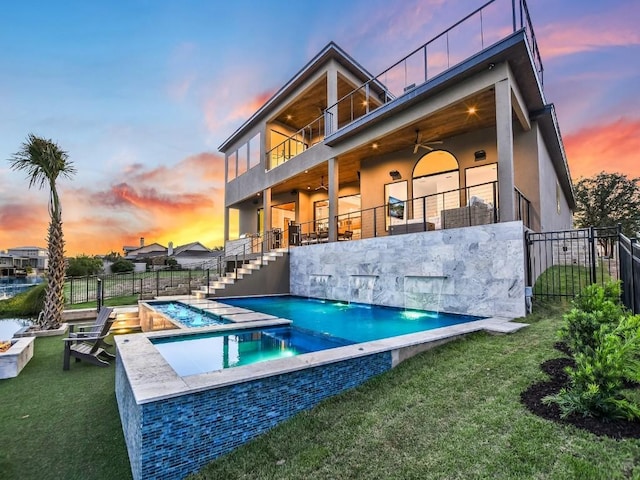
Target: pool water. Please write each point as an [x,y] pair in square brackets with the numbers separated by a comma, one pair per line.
[208,352]
[10,326]
[355,322]
[186,315]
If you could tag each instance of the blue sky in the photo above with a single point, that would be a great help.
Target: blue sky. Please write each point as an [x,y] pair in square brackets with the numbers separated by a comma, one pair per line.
[141,94]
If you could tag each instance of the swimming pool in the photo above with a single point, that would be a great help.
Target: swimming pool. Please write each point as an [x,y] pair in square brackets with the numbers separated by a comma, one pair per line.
[194,354]
[355,322]
[186,315]
[10,326]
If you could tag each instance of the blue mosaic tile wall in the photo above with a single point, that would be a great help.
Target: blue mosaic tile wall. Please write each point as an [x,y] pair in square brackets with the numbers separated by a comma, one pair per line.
[178,436]
[130,417]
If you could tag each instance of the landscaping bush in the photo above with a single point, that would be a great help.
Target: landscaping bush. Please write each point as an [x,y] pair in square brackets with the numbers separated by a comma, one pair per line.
[605,343]
[25,304]
[597,307]
[122,266]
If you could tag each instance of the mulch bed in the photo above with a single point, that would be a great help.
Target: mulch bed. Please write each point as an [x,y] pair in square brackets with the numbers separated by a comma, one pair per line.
[532,399]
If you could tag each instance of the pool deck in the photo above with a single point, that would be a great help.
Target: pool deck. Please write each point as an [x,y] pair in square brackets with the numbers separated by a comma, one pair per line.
[152,378]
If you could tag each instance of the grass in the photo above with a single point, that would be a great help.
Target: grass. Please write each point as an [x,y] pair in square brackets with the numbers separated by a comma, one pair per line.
[567,280]
[453,412]
[108,302]
[58,424]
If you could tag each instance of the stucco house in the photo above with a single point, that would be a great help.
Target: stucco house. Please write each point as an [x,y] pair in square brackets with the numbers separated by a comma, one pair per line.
[445,138]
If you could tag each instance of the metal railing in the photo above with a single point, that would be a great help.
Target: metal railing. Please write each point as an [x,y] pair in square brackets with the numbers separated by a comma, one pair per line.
[297,143]
[470,35]
[629,255]
[420,214]
[523,208]
[560,264]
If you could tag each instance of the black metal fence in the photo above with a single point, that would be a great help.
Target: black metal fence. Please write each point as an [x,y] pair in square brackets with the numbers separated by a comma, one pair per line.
[562,263]
[141,284]
[629,251]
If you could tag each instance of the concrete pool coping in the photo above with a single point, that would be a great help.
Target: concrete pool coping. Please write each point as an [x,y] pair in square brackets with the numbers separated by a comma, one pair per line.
[152,379]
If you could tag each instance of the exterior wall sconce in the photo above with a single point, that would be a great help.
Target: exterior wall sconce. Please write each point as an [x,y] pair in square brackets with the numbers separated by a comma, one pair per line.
[480,155]
[395,175]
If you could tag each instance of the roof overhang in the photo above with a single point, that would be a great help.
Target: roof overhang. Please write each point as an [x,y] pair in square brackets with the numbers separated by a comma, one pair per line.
[331,52]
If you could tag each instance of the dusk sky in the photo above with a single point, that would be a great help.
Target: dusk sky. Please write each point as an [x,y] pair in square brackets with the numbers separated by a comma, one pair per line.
[141,94]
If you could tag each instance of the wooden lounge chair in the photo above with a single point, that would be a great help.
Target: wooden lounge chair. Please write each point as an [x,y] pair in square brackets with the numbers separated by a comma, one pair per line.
[89,344]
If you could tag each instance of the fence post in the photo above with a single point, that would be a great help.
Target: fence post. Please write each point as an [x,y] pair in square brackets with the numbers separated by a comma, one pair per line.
[375,227]
[98,293]
[208,281]
[86,288]
[632,243]
[592,248]
[71,292]
[157,283]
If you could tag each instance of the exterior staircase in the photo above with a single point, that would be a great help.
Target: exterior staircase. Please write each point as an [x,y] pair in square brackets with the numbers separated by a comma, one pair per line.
[266,270]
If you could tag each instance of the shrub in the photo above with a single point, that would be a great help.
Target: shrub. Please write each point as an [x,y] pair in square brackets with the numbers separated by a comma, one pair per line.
[597,307]
[598,380]
[25,304]
[121,266]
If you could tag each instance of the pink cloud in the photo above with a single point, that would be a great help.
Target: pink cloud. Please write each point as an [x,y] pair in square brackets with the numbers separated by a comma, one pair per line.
[612,28]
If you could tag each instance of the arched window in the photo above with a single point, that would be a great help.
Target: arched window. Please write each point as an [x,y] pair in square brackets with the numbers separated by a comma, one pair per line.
[436,177]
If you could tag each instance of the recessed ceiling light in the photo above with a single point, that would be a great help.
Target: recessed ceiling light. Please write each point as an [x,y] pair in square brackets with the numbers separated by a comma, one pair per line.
[374,146]
[308,187]
[289,117]
[472,110]
[306,171]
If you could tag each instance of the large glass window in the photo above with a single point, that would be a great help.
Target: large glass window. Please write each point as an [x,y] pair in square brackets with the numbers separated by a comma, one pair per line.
[232,161]
[395,195]
[480,182]
[254,151]
[437,179]
[242,159]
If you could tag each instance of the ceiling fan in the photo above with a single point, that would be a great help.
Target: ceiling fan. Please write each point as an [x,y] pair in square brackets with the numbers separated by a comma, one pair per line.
[426,144]
[322,186]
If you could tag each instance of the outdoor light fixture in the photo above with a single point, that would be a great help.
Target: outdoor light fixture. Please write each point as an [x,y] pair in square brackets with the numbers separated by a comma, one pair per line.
[480,155]
[395,175]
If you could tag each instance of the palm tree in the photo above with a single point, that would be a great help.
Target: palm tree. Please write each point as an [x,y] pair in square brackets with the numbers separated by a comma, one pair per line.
[44,161]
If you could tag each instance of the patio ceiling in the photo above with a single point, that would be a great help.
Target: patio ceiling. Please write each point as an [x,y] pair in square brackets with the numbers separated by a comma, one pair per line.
[449,122]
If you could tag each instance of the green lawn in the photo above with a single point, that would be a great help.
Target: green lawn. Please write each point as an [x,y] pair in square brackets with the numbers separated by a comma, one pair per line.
[450,413]
[108,302]
[567,280]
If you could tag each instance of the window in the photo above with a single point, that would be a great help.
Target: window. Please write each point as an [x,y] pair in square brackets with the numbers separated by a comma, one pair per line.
[242,159]
[395,196]
[232,166]
[480,182]
[254,151]
[436,178]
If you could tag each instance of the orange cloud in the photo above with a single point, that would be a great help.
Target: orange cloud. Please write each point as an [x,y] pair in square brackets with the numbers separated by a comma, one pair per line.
[24,223]
[610,147]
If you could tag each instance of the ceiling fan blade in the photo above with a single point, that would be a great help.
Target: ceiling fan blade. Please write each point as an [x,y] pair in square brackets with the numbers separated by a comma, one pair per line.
[415,148]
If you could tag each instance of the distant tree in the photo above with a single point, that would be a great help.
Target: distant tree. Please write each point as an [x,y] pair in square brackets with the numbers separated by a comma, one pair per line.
[112,256]
[606,200]
[172,263]
[121,266]
[83,265]
[44,161]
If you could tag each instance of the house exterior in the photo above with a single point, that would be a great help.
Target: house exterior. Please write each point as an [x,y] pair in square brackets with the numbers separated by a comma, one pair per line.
[437,167]
[30,256]
[338,153]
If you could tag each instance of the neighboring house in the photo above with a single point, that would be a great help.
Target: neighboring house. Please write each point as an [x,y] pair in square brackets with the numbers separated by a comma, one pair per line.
[152,250]
[337,149]
[192,254]
[458,133]
[35,257]
[188,256]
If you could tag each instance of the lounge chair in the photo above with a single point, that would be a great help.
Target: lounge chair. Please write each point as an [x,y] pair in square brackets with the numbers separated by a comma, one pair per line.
[89,344]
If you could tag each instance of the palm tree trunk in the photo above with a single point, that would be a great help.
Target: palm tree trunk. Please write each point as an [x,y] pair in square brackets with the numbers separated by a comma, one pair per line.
[54,299]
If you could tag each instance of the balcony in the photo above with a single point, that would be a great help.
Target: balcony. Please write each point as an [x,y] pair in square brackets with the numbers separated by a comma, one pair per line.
[489,24]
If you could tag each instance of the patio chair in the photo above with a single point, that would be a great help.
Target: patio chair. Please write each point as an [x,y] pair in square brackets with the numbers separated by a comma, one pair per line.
[89,344]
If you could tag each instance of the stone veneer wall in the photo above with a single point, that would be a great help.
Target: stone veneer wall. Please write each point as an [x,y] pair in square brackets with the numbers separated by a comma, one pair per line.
[171,438]
[475,270]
